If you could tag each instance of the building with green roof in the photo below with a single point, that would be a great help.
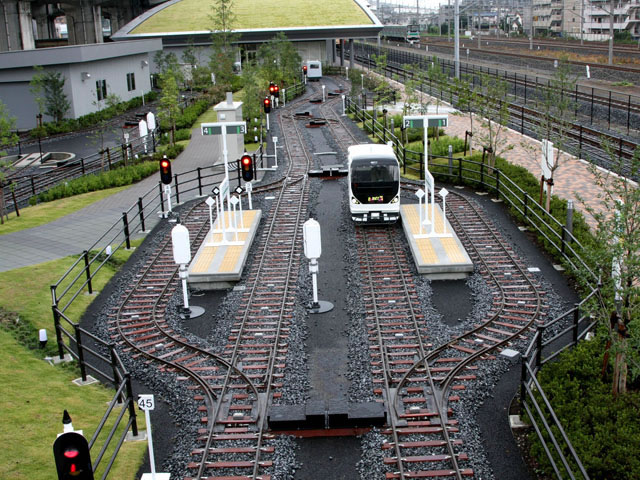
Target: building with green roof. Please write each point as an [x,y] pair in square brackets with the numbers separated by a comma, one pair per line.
[314,26]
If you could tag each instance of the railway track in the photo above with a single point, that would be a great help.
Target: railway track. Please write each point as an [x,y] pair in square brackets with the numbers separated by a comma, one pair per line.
[418,377]
[233,384]
[601,48]
[231,388]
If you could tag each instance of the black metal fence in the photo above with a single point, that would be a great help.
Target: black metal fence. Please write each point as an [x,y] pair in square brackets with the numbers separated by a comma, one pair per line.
[19,188]
[581,141]
[559,239]
[525,87]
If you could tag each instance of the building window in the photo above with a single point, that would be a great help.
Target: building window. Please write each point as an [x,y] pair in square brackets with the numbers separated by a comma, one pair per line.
[101,89]
[131,81]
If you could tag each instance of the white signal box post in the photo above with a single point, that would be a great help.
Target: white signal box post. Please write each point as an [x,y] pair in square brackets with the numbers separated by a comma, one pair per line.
[182,257]
[426,121]
[147,403]
[313,250]
[143,131]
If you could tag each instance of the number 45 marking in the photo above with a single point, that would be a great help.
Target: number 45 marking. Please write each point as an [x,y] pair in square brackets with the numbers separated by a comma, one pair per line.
[146,402]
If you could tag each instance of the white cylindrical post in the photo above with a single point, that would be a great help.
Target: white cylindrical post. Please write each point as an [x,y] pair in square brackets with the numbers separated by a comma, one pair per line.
[167,192]
[347,74]
[209,201]
[275,150]
[313,268]
[267,121]
[443,193]
[249,187]
[323,87]
[344,106]
[152,461]
[284,97]
[185,295]
[362,81]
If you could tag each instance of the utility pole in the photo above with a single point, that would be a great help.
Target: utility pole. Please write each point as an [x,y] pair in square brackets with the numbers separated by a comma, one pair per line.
[456,50]
[611,18]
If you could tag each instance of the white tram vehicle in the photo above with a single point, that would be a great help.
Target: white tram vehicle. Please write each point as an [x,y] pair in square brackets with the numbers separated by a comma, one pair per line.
[314,70]
[374,184]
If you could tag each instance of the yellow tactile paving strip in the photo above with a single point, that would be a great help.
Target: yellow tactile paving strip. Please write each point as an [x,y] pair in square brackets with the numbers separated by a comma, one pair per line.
[226,256]
[450,251]
[204,259]
[453,250]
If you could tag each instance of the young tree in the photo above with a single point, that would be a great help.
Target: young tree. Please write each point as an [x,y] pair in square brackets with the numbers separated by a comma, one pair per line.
[615,255]
[494,116]
[467,98]
[99,135]
[382,89]
[413,88]
[168,108]
[223,52]
[169,62]
[557,113]
[7,138]
[48,89]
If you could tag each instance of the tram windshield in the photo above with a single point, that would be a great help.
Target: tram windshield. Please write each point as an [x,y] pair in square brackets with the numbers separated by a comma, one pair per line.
[375,181]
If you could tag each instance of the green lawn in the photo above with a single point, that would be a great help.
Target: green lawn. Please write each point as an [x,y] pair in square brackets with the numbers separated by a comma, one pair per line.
[47,212]
[36,393]
[194,15]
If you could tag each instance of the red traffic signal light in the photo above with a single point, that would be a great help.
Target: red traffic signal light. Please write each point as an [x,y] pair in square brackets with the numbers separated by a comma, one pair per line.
[267,105]
[246,164]
[272,88]
[276,91]
[165,171]
[304,69]
[73,460]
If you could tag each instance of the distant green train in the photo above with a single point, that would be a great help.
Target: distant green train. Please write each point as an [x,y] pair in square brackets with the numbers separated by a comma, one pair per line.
[407,33]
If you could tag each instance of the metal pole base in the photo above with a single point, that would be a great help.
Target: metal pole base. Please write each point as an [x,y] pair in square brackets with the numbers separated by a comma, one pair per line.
[192,312]
[321,306]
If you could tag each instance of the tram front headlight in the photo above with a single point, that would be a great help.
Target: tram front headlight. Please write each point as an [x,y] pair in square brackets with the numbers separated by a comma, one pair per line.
[396,199]
[355,201]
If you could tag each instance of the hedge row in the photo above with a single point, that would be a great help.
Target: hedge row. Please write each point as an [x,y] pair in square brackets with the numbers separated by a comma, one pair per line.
[91,119]
[90,183]
[605,431]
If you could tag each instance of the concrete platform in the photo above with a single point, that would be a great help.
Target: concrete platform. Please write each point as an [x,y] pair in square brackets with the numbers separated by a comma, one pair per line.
[219,262]
[440,257]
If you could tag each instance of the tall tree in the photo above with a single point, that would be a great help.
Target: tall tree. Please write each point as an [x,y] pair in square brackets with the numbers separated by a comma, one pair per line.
[280,60]
[223,51]
[47,87]
[615,255]
[8,138]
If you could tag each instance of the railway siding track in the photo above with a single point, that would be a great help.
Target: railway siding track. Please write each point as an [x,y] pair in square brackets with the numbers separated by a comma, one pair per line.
[416,376]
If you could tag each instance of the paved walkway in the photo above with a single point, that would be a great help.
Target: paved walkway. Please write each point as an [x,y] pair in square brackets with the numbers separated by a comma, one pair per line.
[78,231]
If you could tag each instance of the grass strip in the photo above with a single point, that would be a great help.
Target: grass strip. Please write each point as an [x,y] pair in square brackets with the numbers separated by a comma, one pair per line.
[41,214]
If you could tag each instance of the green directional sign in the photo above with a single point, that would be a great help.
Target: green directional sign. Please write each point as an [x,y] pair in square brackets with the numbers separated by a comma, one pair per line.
[232,129]
[432,121]
[414,123]
[437,122]
[211,131]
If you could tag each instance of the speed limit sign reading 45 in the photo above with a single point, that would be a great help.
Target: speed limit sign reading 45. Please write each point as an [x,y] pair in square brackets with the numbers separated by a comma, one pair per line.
[146,402]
